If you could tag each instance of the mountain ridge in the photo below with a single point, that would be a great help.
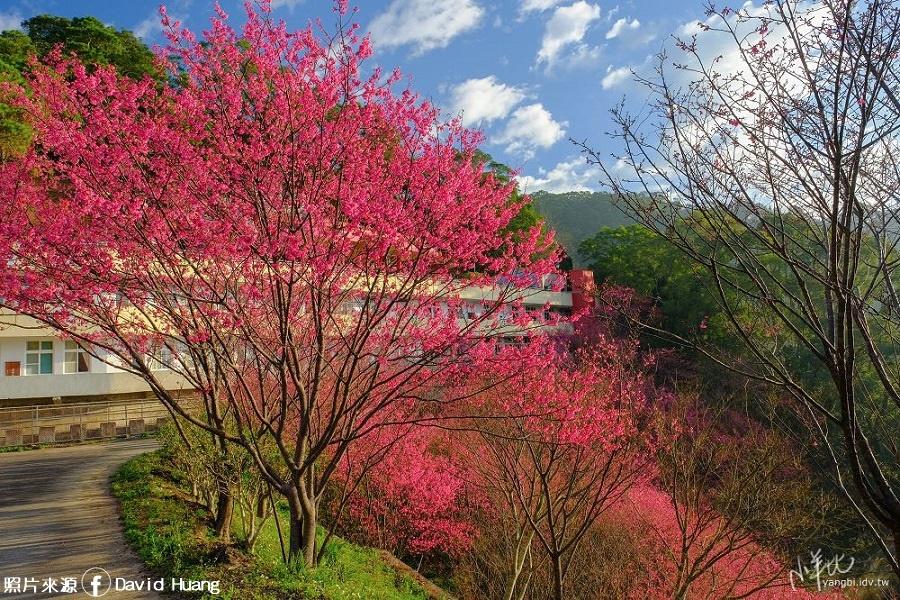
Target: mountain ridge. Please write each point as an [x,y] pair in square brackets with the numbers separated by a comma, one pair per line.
[576,216]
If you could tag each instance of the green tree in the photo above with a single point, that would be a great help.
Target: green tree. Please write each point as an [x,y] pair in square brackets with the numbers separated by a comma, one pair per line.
[635,257]
[93,42]
[15,48]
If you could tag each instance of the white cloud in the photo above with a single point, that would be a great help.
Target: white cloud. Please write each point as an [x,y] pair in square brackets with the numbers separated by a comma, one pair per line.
[290,4]
[582,56]
[573,175]
[718,52]
[148,27]
[484,100]
[531,127]
[424,24]
[567,26]
[718,48]
[611,13]
[10,20]
[712,45]
[538,5]
[620,26]
[615,77]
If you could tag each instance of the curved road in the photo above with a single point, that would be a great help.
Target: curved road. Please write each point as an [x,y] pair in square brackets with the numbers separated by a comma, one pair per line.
[57,518]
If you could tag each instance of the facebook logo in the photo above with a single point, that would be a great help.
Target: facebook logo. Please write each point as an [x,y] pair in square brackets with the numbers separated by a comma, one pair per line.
[95,582]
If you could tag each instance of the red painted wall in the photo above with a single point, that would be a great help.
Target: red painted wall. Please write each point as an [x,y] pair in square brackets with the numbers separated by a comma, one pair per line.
[583,289]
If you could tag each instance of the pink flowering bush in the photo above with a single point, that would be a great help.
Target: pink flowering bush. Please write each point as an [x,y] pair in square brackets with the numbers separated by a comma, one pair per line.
[724,569]
[572,442]
[414,501]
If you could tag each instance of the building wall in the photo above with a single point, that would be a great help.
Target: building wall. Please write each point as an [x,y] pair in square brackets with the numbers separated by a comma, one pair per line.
[12,349]
[102,381]
[583,290]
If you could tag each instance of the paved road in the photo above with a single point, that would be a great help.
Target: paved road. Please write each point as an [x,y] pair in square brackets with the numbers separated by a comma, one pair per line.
[57,518]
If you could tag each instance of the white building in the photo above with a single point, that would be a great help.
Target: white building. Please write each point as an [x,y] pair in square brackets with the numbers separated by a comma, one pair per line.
[37,366]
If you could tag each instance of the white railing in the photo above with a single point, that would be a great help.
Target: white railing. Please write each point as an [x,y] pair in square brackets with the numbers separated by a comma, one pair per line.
[67,423]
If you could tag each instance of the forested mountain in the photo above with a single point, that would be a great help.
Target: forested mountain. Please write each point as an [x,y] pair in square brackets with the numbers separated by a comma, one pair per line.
[576,216]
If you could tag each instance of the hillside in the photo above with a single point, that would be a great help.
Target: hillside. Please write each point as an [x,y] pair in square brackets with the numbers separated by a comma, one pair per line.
[576,216]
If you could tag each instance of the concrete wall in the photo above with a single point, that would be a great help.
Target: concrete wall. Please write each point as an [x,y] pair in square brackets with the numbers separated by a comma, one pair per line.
[530,296]
[80,385]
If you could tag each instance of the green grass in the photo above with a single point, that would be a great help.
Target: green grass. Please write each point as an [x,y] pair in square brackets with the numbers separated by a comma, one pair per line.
[171,535]
[9,449]
[166,531]
[347,571]
[27,447]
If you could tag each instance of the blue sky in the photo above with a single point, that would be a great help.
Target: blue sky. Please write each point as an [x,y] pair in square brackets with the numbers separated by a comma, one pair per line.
[531,73]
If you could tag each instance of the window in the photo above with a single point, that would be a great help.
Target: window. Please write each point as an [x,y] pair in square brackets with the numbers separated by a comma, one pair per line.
[161,358]
[468,310]
[77,359]
[38,358]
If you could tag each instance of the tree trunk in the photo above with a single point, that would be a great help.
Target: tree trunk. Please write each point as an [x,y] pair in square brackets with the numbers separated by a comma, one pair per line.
[523,547]
[896,563]
[224,511]
[557,577]
[224,496]
[295,535]
[259,515]
[302,544]
[310,520]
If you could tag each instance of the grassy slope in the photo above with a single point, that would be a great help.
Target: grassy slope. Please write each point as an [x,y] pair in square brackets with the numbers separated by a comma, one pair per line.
[171,535]
[576,216]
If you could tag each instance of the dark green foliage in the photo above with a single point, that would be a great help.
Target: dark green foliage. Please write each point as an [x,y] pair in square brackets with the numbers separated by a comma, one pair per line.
[15,48]
[576,216]
[635,257]
[92,41]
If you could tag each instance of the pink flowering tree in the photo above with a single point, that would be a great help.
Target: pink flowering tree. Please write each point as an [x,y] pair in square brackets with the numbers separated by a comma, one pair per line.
[728,503]
[412,501]
[573,443]
[687,554]
[291,239]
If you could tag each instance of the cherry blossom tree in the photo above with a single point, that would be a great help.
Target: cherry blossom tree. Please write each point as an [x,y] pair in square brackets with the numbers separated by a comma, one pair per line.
[768,156]
[572,444]
[729,500]
[278,227]
[412,500]
[688,554]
